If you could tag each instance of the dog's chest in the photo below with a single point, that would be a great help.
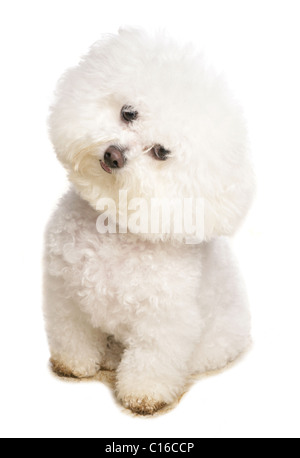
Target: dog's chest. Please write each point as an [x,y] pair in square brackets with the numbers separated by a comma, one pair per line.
[116,278]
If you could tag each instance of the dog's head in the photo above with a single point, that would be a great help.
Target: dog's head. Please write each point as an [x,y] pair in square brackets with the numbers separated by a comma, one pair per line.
[143,115]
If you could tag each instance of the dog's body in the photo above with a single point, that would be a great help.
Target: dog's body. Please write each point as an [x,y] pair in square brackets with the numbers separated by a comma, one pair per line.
[150,306]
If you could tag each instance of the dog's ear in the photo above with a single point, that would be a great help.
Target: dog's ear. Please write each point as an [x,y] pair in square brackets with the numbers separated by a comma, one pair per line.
[225,208]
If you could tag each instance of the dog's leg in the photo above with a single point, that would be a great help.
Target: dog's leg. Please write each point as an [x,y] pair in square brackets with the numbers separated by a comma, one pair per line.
[154,368]
[223,301]
[77,349]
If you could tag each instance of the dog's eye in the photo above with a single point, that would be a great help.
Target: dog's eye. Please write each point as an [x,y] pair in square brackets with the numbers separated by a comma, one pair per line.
[160,153]
[128,113]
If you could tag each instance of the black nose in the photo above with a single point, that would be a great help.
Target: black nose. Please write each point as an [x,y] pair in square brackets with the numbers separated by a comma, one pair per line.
[114,158]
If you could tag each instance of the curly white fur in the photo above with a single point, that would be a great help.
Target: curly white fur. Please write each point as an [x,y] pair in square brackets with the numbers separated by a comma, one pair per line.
[175,309]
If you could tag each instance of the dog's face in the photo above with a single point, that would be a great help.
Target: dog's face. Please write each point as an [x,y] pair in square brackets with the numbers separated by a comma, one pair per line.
[142,115]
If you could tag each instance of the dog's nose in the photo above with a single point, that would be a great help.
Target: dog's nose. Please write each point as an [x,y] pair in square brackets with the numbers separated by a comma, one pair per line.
[114,158]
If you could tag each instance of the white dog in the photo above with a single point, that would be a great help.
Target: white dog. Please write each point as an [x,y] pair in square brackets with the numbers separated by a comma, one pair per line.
[144,116]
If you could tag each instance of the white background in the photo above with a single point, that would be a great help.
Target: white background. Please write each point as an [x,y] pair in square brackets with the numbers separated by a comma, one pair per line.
[256,45]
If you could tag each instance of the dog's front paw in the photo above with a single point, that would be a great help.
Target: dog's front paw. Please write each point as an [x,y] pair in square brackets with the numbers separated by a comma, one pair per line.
[143,405]
[74,368]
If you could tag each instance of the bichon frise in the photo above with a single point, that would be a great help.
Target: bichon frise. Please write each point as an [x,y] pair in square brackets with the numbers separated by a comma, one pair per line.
[139,277]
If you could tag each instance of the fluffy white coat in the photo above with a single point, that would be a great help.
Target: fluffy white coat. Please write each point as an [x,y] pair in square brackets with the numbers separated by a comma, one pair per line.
[147,305]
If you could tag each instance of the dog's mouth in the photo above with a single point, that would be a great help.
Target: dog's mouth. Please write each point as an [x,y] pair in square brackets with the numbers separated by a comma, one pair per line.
[105,167]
